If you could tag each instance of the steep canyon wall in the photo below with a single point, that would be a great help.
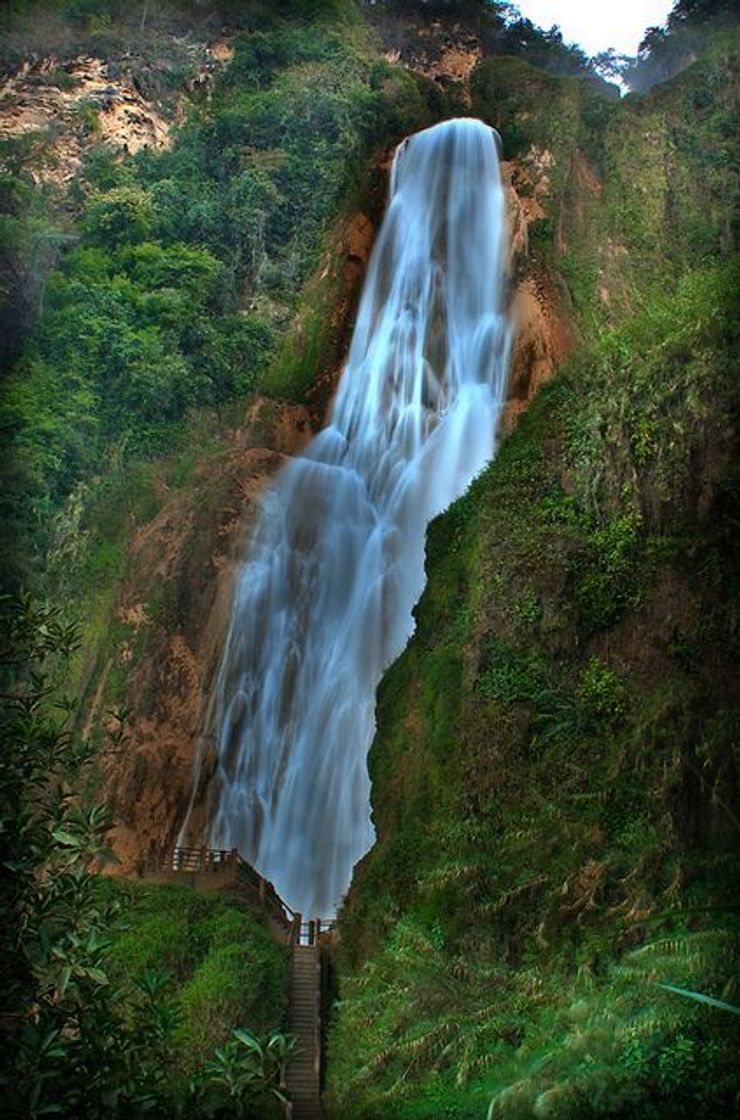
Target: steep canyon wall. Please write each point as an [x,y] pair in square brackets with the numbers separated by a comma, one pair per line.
[187,556]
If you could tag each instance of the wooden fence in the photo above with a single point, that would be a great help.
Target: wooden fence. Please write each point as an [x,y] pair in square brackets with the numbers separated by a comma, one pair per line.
[226,864]
[224,868]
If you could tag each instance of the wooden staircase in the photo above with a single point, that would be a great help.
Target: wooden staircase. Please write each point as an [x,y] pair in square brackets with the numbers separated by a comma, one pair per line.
[311,954]
[216,869]
[303,1074]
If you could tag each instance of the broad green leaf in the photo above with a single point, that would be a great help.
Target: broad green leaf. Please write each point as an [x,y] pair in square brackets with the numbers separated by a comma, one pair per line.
[700,997]
[66,838]
[97,975]
[247,1039]
[64,979]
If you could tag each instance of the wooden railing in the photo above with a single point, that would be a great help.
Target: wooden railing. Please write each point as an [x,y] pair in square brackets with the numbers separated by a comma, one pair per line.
[199,859]
[309,932]
[228,862]
[316,933]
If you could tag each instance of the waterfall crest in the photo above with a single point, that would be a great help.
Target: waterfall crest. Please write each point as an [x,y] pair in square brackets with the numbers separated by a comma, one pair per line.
[324,601]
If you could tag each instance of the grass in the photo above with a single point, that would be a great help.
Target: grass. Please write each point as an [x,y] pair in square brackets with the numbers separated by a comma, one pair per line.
[225,969]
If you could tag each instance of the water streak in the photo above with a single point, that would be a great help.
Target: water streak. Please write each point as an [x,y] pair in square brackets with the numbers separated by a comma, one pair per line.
[336,564]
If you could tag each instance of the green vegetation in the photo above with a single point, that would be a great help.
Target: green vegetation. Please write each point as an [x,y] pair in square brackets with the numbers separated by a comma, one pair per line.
[546,926]
[508,92]
[224,966]
[667,50]
[554,775]
[115,992]
[186,266]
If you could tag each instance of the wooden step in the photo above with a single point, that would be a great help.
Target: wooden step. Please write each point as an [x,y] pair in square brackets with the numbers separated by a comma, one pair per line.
[302,1074]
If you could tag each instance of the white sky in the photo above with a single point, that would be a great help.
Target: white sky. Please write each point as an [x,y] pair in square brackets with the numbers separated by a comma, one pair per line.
[598,24]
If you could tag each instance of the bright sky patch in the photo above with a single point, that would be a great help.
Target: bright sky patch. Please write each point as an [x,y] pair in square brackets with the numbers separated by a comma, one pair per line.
[596,25]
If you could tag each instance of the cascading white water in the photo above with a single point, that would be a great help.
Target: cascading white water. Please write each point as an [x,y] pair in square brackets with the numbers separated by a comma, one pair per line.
[323,603]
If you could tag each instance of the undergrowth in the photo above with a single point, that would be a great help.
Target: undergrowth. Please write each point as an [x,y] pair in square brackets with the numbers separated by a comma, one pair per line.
[223,966]
[555,767]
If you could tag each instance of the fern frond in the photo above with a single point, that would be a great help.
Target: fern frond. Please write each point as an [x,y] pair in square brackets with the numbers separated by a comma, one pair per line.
[700,997]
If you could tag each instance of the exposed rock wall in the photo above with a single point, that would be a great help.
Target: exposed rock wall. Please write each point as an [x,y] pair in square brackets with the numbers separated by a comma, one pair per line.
[76,102]
[187,555]
[539,305]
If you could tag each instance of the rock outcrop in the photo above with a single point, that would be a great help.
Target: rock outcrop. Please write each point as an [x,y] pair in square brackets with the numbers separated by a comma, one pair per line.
[73,103]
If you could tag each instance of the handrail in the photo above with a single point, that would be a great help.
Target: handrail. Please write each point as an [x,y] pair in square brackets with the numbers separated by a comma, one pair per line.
[217,860]
[308,931]
[198,859]
[214,860]
[312,936]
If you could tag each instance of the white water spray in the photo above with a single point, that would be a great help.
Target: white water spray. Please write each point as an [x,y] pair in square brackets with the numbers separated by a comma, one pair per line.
[323,603]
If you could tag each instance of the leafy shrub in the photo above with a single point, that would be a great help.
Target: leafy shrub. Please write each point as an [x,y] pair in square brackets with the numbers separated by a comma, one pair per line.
[93,1017]
[600,692]
[85,11]
[509,675]
[122,214]
[609,577]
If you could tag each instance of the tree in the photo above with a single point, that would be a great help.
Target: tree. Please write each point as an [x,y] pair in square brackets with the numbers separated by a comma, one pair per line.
[610,65]
[665,51]
[121,214]
[77,1046]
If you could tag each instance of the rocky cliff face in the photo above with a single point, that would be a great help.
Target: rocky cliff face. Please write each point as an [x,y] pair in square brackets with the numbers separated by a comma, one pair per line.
[187,557]
[86,98]
[539,307]
[78,101]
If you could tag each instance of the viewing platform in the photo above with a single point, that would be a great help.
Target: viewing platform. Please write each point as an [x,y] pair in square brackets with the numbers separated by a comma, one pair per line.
[223,869]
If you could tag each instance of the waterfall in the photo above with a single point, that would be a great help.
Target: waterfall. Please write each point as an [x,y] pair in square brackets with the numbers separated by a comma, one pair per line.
[324,601]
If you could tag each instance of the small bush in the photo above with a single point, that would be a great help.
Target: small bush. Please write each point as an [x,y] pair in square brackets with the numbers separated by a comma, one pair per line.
[509,675]
[122,214]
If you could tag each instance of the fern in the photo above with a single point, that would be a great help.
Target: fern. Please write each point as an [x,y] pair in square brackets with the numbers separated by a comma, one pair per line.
[626,1050]
[700,997]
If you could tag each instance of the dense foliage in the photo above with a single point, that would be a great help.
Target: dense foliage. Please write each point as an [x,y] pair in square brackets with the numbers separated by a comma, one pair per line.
[183,268]
[114,995]
[555,775]
[668,49]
